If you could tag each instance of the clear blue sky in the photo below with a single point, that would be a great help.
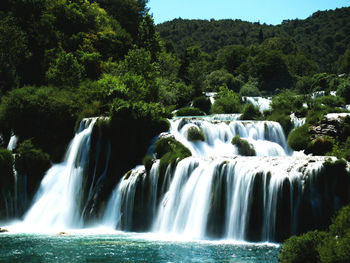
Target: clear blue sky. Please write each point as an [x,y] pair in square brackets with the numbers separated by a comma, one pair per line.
[265,11]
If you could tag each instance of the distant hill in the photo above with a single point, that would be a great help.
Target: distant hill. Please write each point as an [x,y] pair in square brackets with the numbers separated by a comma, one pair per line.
[324,36]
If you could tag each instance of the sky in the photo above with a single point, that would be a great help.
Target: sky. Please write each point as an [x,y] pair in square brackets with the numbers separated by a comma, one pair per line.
[263,11]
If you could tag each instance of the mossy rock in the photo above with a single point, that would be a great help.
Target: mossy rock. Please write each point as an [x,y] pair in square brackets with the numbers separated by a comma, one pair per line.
[195,134]
[244,147]
[170,151]
[148,161]
[320,145]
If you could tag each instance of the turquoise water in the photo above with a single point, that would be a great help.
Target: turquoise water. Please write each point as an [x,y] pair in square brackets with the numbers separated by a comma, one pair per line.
[126,248]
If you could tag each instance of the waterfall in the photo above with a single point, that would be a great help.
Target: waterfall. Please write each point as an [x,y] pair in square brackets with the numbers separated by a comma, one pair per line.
[262,103]
[266,137]
[262,200]
[58,202]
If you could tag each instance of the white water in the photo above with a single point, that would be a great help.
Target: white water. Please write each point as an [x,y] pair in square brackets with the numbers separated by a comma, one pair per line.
[12,143]
[57,203]
[185,207]
[262,103]
[266,137]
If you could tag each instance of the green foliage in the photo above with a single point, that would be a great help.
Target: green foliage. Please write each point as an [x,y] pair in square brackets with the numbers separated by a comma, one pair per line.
[325,247]
[65,71]
[299,138]
[320,145]
[174,93]
[31,162]
[139,74]
[170,151]
[13,50]
[148,162]
[189,111]
[226,101]
[46,114]
[302,249]
[344,90]
[6,169]
[251,112]
[195,134]
[203,103]
[243,146]
[250,89]
[219,78]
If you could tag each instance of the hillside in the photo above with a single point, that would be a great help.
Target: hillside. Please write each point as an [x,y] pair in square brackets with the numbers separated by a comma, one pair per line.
[324,36]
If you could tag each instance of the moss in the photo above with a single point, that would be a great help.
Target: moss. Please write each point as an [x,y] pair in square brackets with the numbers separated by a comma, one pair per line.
[148,162]
[244,147]
[299,138]
[320,145]
[195,134]
[189,111]
[170,151]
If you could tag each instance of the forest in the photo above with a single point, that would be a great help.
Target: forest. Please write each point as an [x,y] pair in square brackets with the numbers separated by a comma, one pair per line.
[65,60]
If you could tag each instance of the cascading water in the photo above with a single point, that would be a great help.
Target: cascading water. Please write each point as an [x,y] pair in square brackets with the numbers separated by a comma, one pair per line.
[218,194]
[266,137]
[57,204]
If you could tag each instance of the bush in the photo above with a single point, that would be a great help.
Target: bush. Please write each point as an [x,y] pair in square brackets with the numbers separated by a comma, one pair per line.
[331,101]
[226,101]
[189,111]
[6,169]
[251,112]
[336,246]
[344,91]
[320,145]
[195,134]
[33,163]
[46,115]
[243,146]
[169,151]
[250,89]
[203,103]
[301,249]
[299,138]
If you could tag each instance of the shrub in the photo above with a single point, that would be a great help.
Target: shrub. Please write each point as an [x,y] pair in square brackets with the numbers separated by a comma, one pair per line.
[6,169]
[251,112]
[189,111]
[195,134]
[250,89]
[331,101]
[31,162]
[301,249]
[243,146]
[203,103]
[344,91]
[320,145]
[226,102]
[299,138]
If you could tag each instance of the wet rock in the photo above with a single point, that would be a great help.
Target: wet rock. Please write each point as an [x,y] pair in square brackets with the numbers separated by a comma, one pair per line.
[3,230]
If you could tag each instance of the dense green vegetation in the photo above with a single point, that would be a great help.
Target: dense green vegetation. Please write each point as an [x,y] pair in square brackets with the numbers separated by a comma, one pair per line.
[329,246]
[64,60]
